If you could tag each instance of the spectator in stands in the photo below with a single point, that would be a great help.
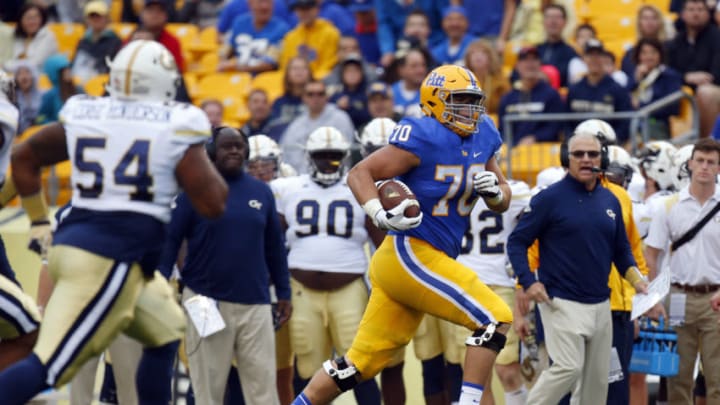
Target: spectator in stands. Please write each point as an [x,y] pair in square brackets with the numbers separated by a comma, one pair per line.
[412,69]
[28,96]
[214,110]
[255,40]
[259,107]
[98,45]
[653,81]
[366,30]
[315,39]
[213,275]
[57,69]
[610,64]
[695,54]
[348,46]
[203,13]
[380,102]
[33,41]
[577,67]
[352,97]
[154,17]
[650,25]
[391,23]
[490,19]
[455,26]
[341,17]
[236,8]
[317,113]
[555,51]
[531,95]
[416,33]
[289,106]
[482,60]
[598,92]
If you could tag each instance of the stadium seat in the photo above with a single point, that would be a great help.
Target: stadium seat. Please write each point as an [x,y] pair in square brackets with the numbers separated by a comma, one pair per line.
[187,34]
[191,83]
[44,82]
[95,86]
[206,41]
[123,30]
[682,123]
[527,160]
[207,64]
[271,82]
[614,27]
[234,108]
[68,36]
[116,10]
[221,84]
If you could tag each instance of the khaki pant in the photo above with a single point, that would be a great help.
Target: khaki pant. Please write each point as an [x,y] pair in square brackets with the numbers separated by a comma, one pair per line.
[579,340]
[700,326]
[249,339]
[125,354]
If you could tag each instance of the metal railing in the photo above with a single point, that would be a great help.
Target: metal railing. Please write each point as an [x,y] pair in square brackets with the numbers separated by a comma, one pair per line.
[636,118]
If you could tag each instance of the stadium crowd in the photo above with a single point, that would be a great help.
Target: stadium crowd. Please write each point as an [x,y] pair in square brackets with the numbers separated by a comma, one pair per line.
[298,92]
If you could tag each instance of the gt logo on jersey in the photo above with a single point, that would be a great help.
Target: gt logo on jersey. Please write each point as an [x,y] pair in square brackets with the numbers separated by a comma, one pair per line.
[435,80]
[610,213]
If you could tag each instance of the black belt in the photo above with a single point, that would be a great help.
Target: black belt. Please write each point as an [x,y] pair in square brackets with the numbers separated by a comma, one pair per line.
[700,289]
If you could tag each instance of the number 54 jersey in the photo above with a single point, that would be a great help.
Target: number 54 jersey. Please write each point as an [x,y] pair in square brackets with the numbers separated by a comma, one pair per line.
[326,225]
[124,155]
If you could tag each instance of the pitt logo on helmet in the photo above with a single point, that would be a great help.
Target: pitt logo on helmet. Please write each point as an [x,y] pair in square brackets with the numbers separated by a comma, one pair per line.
[435,80]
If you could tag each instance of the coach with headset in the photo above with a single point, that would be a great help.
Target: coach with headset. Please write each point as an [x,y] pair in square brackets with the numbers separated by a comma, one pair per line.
[229,264]
[580,229]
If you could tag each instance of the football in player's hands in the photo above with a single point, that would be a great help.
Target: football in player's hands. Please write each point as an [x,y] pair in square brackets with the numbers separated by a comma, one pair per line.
[394,192]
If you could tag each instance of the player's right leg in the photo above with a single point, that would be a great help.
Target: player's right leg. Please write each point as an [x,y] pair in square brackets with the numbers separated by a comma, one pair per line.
[19,321]
[91,303]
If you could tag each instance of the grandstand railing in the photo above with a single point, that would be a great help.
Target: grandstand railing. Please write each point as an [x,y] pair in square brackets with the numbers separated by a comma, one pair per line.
[637,119]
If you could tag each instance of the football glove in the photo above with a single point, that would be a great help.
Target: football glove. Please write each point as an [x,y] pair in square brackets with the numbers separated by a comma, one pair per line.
[40,238]
[487,185]
[393,219]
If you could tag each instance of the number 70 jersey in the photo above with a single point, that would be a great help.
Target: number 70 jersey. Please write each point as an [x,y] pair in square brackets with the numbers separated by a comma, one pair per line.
[124,153]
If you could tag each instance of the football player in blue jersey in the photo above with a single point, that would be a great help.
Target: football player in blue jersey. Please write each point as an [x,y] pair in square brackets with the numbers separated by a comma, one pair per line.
[130,152]
[447,159]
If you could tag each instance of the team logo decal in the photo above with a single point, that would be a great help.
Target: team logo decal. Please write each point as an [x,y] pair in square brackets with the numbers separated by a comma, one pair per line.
[610,213]
[435,80]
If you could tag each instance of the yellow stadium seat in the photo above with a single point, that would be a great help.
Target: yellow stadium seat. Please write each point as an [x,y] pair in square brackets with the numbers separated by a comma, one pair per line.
[123,30]
[271,82]
[96,85]
[682,123]
[191,83]
[187,34]
[614,27]
[44,82]
[207,64]
[528,160]
[222,84]
[234,108]
[206,41]
[68,36]
[116,10]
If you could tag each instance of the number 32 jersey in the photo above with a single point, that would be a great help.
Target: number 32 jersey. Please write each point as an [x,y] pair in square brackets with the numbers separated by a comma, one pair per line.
[442,182]
[484,244]
[326,225]
[124,155]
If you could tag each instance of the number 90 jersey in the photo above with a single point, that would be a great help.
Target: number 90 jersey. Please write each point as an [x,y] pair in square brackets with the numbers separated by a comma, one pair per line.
[442,182]
[484,243]
[326,225]
[124,153]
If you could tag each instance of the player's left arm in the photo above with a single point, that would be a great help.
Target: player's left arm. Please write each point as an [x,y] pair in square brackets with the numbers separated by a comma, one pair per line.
[502,205]
[45,148]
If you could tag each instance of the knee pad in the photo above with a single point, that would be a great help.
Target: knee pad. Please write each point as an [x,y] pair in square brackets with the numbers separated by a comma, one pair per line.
[487,338]
[345,376]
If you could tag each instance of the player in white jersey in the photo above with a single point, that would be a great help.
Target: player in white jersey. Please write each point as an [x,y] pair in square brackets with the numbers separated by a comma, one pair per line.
[19,316]
[484,251]
[130,152]
[656,165]
[326,232]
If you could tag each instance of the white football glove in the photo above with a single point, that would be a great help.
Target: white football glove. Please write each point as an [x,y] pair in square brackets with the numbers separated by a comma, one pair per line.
[487,185]
[393,219]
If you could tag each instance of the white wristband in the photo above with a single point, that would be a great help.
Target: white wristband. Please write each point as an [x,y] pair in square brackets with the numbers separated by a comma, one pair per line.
[372,207]
[495,200]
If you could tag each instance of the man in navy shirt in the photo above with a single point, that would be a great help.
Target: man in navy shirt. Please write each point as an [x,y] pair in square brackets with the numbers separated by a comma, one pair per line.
[531,95]
[580,230]
[230,263]
[555,51]
[598,92]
